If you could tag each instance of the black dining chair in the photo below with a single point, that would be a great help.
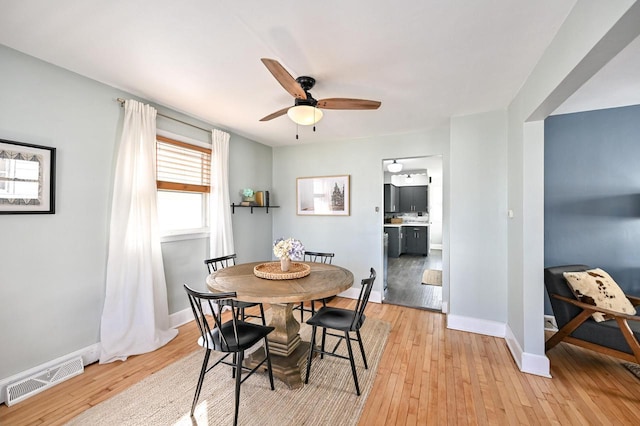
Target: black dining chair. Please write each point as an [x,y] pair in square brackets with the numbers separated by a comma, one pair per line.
[224,262]
[345,321]
[318,257]
[231,337]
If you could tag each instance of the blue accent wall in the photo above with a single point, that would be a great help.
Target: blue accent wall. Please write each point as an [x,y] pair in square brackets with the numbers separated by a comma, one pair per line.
[592,193]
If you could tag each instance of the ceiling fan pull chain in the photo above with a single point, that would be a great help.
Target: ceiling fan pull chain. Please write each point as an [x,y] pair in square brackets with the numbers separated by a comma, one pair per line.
[296,131]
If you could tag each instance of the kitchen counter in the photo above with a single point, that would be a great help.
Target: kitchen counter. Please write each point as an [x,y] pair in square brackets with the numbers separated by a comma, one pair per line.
[407,237]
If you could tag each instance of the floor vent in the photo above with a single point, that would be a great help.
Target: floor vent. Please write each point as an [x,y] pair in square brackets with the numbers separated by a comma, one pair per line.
[42,380]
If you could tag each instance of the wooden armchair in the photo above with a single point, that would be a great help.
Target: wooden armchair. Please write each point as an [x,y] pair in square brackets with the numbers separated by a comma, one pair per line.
[617,337]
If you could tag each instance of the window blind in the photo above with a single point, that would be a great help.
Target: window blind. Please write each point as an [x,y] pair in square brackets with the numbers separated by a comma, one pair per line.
[182,166]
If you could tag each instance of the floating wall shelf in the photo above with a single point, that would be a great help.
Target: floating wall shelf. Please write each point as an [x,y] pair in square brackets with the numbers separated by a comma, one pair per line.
[235,206]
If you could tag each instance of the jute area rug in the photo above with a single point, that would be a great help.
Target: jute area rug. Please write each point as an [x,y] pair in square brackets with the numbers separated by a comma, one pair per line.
[432,277]
[633,368]
[330,398]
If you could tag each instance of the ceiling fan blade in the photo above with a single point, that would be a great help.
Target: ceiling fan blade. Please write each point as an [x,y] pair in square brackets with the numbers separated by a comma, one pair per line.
[276,114]
[284,78]
[347,103]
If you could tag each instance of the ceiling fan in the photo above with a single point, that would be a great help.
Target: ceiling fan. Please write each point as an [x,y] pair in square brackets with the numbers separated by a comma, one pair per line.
[307,110]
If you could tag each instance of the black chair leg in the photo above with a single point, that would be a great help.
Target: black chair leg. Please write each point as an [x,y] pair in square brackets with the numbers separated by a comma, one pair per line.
[239,359]
[264,322]
[353,364]
[233,370]
[313,343]
[324,339]
[301,312]
[266,351]
[203,370]
[364,357]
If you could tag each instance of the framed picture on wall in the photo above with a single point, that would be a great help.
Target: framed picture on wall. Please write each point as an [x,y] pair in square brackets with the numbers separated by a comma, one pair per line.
[324,195]
[27,178]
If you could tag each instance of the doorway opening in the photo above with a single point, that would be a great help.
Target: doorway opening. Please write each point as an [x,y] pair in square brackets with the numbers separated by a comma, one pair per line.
[413,232]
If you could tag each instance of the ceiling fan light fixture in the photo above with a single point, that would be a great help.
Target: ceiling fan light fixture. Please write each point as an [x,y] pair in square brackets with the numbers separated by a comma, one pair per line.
[394,167]
[304,115]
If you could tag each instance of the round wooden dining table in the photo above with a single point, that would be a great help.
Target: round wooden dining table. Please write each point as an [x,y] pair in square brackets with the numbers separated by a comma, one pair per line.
[288,351]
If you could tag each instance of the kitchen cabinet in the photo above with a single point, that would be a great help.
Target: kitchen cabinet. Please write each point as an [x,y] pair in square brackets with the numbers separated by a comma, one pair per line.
[414,198]
[394,240]
[391,198]
[416,239]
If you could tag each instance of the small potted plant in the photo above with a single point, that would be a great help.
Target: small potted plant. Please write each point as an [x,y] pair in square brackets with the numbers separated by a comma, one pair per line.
[248,195]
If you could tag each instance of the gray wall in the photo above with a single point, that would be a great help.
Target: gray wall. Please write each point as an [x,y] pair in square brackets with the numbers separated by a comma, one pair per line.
[592,193]
[52,267]
[250,166]
[357,239]
[478,217]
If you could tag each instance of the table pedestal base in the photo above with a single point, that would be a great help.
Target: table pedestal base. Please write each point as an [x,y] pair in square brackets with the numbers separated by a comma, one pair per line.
[288,351]
[289,369]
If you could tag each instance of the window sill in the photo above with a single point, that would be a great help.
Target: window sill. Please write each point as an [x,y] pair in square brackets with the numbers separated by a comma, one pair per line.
[187,234]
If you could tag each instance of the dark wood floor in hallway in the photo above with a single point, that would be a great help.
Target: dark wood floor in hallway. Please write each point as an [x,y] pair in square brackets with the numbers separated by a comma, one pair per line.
[404,281]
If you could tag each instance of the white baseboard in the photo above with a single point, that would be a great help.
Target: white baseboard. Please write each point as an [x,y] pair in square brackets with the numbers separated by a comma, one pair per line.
[351,293]
[475,325]
[435,246]
[181,317]
[527,362]
[354,293]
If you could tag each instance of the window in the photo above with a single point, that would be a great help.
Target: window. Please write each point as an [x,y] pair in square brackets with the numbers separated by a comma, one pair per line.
[183,180]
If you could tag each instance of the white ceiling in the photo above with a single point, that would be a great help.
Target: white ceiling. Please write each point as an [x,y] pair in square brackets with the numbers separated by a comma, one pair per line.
[425,60]
[616,84]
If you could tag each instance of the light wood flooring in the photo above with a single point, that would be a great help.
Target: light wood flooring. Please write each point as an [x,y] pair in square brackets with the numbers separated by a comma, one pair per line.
[404,281]
[427,375]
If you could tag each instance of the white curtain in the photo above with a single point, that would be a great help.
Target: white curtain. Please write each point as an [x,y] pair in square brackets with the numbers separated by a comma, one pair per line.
[135,318]
[221,237]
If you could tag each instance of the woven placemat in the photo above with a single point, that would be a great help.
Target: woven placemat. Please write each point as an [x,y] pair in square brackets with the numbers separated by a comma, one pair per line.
[272,271]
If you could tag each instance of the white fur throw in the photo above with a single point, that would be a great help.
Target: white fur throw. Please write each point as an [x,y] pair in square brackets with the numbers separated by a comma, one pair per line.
[595,287]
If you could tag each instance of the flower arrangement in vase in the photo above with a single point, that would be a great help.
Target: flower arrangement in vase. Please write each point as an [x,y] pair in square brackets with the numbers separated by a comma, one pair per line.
[287,250]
